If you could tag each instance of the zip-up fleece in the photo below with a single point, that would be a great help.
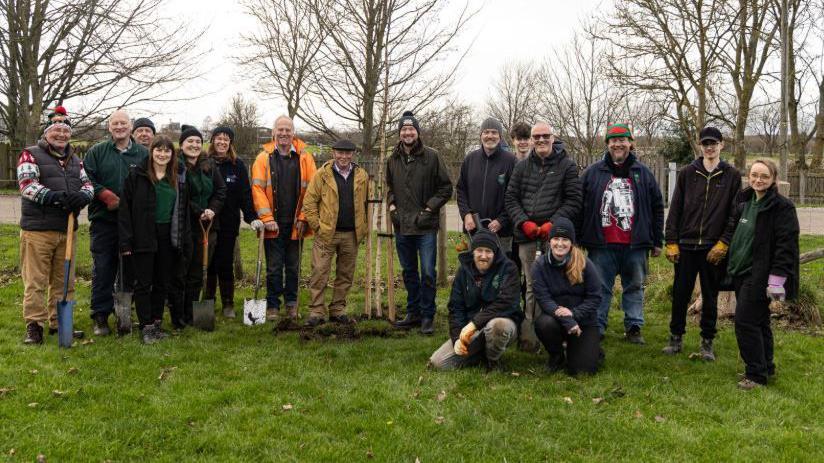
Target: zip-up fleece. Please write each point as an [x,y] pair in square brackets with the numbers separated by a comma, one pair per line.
[107,170]
[701,205]
[482,186]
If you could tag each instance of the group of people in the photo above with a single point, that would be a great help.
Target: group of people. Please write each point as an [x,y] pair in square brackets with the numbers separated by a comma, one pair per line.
[545,243]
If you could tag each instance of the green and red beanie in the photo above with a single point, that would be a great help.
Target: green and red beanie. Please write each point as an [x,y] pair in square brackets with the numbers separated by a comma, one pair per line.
[617,131]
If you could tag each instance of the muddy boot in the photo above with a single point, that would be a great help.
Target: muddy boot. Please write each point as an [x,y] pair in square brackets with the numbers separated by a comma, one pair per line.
[227,297]
[292,311]
[34,334]
[101,325]
[272,314]
[149,334]
[705,351]
[674,346]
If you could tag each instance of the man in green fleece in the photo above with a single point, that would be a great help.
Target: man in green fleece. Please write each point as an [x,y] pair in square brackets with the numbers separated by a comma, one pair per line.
[107,164]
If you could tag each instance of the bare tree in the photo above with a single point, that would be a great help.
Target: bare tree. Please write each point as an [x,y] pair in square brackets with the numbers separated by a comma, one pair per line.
[515,94]
[97,54]
[243,117]
[452,127]
[671,47]
[764,122]
[283,55]
[816,64]
[361,34]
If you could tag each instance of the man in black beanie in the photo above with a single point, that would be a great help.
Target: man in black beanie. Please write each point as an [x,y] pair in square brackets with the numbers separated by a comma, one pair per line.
[418,185]
[484,307]
[143,131]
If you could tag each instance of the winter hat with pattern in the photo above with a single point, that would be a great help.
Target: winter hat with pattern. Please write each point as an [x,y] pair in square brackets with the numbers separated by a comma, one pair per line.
[618,131]
[408,119]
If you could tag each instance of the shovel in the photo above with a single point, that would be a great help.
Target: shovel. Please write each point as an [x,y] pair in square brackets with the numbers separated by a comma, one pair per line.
[65,309]
[123,305]
[203,311]
[254,311]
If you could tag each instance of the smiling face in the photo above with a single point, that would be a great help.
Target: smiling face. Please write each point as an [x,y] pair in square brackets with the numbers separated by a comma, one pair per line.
[619,148]
[761,178]
[120,126]
[221,143]
[490,139]
[522,145]
[283,132]
[711,149]
[58,137]
[542,139]
[143,135]
[161,156]
[560,246]
[483,258]
[343,158]
[192,147]
[408,135]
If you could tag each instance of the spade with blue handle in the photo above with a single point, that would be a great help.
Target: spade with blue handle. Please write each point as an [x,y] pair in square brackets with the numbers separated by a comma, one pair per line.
[65,309]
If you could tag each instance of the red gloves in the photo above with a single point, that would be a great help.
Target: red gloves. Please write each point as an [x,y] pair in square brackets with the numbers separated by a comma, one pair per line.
[543,232]
[109,199]
[530,229]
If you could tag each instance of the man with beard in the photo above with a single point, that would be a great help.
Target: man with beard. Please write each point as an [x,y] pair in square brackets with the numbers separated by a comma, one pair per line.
[482,184]
[623,220]
[543,187]
[483,307]
[418,185]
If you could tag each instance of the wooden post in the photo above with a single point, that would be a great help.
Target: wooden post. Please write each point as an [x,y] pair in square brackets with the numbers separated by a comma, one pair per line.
[390,268]
[802,185]
[442,280]
[673,173]
[367,285]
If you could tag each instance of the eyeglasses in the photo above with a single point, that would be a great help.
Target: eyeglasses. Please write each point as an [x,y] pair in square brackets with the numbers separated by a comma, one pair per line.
[709,143]
[542,136]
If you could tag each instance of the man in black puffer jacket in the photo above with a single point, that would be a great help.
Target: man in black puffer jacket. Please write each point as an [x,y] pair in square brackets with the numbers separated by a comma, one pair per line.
[418,185]
[484,307]
[543,187]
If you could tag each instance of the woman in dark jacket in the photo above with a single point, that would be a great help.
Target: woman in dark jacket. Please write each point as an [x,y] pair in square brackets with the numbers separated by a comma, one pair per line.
[765,221]
[207,192]
[238,198]
[567,289]
[149,220]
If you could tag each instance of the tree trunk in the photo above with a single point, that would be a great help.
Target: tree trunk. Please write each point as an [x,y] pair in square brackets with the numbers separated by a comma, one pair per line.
[818,146]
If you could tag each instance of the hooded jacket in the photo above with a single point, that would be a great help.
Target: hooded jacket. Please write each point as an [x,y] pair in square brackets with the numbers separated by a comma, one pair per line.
[701,204]
[107,169]
[648,219]
[265,187]
[775,239]
[414,182]
[540,190]
[553,289]
[482,186]
[497,295]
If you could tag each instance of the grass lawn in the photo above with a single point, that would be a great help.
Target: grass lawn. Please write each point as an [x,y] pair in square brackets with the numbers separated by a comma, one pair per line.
[242,394]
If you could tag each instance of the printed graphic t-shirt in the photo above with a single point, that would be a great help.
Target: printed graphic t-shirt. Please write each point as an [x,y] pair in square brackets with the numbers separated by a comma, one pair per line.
[617,211]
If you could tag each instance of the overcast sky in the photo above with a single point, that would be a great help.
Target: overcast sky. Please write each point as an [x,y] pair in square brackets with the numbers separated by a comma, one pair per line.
[504,30]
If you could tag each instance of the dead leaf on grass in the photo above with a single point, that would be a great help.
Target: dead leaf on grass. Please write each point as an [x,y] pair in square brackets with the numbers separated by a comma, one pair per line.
[166,372]
[41,458]
[515,374]
[58,393]
[86,342]
[659,419]
[5,390]
[417,460]
[12,452]
[34,372]
[439,420]
[287,407]
[369,454]
[441,396]
[72,371]
[638,414]
[598,400]
[33,405]
[568,400]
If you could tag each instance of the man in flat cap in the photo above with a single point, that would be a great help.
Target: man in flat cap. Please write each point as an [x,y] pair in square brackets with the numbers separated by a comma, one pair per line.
[335,209]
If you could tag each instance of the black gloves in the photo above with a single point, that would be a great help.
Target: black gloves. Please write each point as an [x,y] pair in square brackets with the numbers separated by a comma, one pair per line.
[56,199]
[75,201]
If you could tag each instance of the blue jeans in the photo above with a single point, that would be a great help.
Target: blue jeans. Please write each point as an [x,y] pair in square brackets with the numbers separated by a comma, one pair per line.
[631,264]
[105,249]
[282,256]
[420,287]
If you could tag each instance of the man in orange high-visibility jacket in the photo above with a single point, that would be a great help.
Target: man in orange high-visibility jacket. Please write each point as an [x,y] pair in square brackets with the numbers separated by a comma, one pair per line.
[280,176]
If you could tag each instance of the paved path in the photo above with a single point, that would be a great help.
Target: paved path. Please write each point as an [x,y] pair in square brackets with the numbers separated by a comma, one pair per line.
[811,219]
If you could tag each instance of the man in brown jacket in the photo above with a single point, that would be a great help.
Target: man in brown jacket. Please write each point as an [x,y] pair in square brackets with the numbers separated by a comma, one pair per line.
[335,209]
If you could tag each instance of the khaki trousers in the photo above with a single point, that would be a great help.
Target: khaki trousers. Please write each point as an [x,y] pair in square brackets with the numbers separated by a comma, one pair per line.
[343,246]
[42,256]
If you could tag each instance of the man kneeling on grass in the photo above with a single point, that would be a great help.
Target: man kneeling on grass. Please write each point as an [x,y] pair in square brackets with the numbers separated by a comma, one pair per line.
[484,307]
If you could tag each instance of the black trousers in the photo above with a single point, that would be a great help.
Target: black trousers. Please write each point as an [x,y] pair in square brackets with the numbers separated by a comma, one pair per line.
[690,265]
[193,272]
[153,271]
[752,329]
[582,352]
[223,259]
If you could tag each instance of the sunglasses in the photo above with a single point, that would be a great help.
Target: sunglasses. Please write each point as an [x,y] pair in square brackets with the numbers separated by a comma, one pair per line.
[542,136]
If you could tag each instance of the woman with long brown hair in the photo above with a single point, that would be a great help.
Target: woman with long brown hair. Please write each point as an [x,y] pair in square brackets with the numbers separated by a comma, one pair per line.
[765,221]
[152,210]
[567,289]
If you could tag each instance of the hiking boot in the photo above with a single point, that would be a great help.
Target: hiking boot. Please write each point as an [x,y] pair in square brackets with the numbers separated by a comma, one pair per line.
[228,311]
[272,314]
[292,311]
[160,332]
[34,334]
[747,384]
[342,319]
[633,335]
[101,325]
[555,362]
[150,334]
[427,326]
[410,321]
[705,351]
[676,343]
[312,322]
